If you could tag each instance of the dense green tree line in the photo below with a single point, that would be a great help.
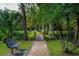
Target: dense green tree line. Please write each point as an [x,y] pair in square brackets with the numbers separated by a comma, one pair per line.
[55,18]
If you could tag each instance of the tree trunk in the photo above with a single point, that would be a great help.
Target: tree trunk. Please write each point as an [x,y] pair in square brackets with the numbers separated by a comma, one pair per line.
[67,30]
[24,22]
[59,34]
[53,31]
[49,27]
[43,30]
[49,31]
[77,33]
[35,31]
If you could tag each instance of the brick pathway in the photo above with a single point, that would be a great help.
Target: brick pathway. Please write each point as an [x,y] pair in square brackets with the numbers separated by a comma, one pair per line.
[39,48]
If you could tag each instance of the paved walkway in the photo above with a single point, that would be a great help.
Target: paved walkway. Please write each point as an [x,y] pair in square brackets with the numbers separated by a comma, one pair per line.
[39,48]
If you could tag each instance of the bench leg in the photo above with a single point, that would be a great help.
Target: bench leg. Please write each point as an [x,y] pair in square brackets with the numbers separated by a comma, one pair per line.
[16,48]
[12,51]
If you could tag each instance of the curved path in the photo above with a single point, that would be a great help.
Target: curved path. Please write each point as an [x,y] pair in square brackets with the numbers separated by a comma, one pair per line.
[39,48]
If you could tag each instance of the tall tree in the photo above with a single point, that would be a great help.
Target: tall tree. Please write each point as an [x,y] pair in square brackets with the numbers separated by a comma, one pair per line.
[24,21]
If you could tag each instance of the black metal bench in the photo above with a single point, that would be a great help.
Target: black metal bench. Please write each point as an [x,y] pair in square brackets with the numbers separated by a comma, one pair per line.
[12,44]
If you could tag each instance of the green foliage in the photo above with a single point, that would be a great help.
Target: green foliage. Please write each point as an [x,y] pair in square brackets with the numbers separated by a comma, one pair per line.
[31,36]
[8,21]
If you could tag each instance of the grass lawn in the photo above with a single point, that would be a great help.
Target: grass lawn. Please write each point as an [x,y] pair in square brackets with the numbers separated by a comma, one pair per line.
[55,48]
[5,51]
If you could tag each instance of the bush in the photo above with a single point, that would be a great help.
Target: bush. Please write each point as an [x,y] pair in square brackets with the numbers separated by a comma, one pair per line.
[47,37]
[18,35]
[31,36]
